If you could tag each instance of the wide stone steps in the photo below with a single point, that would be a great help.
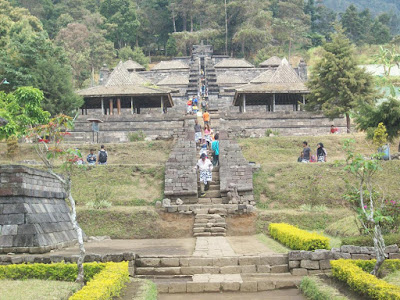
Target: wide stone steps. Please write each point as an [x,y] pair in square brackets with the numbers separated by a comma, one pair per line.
[209,225]
[210,200]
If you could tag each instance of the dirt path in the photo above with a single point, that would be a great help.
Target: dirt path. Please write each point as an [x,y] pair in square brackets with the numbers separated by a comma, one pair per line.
[290,294]
[248,245]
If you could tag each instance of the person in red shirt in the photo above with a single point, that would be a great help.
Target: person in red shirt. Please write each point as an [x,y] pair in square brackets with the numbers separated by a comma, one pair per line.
[334,129]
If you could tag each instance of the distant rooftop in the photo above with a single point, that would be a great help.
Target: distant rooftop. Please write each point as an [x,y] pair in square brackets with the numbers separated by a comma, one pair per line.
[234,63]
[170,65]
[133,65]
[227,79]
[174,80]
[273,61]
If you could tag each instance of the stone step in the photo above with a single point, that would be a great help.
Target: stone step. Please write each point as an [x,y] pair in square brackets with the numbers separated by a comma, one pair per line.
[210,200]
[212,187]
[207,234]
[213,194]
[200,283]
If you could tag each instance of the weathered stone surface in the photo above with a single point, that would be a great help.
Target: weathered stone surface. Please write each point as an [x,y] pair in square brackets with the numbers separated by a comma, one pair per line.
[248,260]
[350,249]
[339,255]
[162,288]
[201,262]
[248,269]
[263,269]
[148,262]
[294,264]
[169,262]
[211,270]
[361,256]
[325,264]
[280,269]
[299,272]
[225,261]
[309,264]
[195,287]
[319,255]
[191,270]
[248,286]
[230,286]
[392,249]
[265,286]
[394,256]
[177,287]
[283,284]
[230,270]
[166,202]
[274,260]
[212,287]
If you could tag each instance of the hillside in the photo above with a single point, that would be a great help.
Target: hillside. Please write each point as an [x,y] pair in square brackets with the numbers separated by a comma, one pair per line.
[375,6]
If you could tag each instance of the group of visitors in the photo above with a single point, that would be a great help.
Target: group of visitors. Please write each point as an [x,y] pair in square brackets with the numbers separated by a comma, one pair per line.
[100,159]
[193,106]
[306,157]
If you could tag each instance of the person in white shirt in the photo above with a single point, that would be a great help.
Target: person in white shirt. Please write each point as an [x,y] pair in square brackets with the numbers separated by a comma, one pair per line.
[205,166]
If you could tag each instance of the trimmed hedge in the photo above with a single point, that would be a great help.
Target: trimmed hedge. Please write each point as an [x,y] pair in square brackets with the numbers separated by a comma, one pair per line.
[106,284]
[360,281]
[390,239]
[104,280]
[297,239]
[57,271]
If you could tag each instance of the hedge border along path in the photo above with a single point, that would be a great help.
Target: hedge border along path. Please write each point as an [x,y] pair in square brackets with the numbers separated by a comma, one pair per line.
[104,280]
[297,239]
[360,281]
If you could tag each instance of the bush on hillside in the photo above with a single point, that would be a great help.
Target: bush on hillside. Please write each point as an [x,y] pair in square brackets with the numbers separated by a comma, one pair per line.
[136,136]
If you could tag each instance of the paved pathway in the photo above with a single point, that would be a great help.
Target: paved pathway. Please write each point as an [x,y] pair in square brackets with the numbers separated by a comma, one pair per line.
[216,246]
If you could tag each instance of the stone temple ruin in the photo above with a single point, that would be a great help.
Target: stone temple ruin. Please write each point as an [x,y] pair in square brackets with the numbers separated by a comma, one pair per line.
[247,100]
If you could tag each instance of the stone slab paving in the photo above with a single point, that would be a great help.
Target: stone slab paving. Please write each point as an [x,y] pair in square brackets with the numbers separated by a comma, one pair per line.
[217,246]
[287,294]
[140,246]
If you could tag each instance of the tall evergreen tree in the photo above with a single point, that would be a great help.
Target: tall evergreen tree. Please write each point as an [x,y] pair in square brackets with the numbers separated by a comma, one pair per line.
[337,84]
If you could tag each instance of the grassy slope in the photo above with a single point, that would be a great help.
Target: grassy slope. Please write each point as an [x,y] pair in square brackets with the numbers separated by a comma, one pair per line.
[36,289]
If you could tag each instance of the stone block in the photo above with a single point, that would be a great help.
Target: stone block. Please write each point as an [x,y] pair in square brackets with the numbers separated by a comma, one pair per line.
[169,262]
[162,288]
[309,264]
[9,230]
[148,262]
[315,272]
[263,269]
[230,270]
[339,255]
[225,261]
[265,286]
[285,284]
[56,258]
[299,272]
[17,260]
[210,287]
[392,249]
[249,269]
[249,260]
[128,256]
[325,264]
[296,255]
[177,287]
[320,255]
[294,264]
[394,255]
[145,271]
[195,287]
[211,270]
[350,249]
[274,260]
[204,262]
[361,256]
[280,269]
[230,286]
[366,250]
[191,270]
[167,271]
[248,286]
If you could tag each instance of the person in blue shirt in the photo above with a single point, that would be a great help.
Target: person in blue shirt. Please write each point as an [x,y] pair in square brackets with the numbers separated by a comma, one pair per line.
[91,158]
[215,149]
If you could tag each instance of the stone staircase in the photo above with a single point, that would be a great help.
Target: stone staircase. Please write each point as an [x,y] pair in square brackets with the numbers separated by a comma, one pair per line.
[194,76]
[211,77]
[188,274]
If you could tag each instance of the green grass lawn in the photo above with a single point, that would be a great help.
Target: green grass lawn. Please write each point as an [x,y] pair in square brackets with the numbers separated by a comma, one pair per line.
[37,289]
[272,244]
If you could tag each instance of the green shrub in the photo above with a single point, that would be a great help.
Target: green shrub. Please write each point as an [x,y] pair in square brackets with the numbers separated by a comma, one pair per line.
[270,132]
[136,136]
[363,282]
[296,238]
[366,240]
[58,271]
[101,196]
[344,227]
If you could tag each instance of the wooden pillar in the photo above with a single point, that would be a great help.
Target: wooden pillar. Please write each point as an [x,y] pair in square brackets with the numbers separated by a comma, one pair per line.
[162,104]
[119,105]
[111,106]
[244,103]
[102,106]
[273,102]
[132,106]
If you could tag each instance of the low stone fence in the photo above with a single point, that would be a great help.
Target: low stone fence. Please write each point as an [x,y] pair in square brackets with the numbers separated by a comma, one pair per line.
[34,217]
[235,173]
[103,258]
[318,261]
[223,209]
[180,170]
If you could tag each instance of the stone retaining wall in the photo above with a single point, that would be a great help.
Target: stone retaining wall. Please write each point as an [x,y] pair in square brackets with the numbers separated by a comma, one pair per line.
[34,216]
[115,257]
[235,170]
[254,124]
[180,171]
[318,261]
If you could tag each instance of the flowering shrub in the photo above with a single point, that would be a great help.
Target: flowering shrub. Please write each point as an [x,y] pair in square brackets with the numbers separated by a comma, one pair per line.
[363,282]
[106,284]
[296,238]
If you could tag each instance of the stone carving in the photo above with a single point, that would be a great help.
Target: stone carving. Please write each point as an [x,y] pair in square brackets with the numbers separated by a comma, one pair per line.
[179,201]
[233,195]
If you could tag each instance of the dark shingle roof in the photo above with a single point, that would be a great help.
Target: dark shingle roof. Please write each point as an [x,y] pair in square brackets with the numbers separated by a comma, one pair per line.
[233,63]
[273,61]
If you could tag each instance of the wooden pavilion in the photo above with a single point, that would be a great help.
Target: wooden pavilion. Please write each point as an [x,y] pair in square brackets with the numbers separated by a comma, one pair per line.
[276,90]
[125,90]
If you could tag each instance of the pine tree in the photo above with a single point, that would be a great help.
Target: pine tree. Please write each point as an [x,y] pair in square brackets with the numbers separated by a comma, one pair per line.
[337,84]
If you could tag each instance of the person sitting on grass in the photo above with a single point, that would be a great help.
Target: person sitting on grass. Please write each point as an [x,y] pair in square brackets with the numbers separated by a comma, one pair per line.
[334,129]
[305,154]
[91,158]
[205,166]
